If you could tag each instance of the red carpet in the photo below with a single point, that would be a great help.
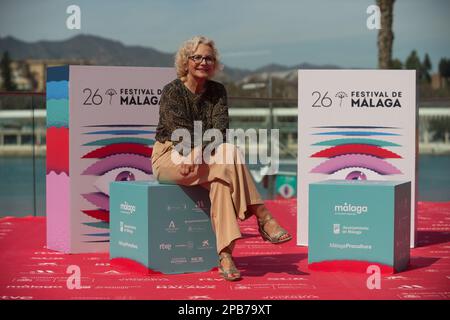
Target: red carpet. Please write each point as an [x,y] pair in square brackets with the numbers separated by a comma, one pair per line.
[29,271]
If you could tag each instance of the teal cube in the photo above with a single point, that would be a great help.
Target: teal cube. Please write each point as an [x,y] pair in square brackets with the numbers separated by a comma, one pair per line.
[354,224]
[164,227]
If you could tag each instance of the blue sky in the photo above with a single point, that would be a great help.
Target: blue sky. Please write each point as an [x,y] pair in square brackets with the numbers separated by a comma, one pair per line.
[249,33]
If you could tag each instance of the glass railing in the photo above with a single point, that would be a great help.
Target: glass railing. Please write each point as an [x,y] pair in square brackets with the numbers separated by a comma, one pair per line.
[22,154]
[23,139]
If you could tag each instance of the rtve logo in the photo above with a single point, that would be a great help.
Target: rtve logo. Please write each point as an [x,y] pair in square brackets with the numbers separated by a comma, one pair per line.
[165,246]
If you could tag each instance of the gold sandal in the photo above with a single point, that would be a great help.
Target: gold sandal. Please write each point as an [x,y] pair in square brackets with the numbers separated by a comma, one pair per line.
[226,274]
[277,237]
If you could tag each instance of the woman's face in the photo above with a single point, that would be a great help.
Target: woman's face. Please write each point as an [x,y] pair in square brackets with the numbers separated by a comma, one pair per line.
[203,69]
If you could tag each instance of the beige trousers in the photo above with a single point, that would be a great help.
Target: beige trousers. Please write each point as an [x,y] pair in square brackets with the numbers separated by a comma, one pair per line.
[230,184]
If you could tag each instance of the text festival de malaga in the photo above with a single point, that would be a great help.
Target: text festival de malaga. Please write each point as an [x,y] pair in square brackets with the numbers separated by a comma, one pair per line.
[376,99]
[139,97]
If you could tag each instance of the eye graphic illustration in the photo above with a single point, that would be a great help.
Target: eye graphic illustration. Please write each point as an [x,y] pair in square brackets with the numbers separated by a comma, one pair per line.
[355,148]
[286,190]
[120,174]
[356,175]
[119,160]
[356,133]
[106,142]
[372,142]
[122,158]
[334,164]
[132,148]
[121,132]
[124,176]
[354,158]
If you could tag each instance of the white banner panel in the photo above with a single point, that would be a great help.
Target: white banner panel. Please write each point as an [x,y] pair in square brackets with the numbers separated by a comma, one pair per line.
[101,125]
[355,124]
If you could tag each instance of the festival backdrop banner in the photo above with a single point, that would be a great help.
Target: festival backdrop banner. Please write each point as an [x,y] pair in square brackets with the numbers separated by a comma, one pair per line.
[101,125]
[355,125]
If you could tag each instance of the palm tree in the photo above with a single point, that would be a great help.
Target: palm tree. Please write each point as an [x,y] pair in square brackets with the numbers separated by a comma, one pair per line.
[6,73]
[385,35]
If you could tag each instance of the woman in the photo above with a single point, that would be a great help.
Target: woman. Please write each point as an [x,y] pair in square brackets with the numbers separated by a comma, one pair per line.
[194,97]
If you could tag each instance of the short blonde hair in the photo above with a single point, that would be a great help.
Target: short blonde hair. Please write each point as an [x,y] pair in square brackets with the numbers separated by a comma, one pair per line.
[187,49]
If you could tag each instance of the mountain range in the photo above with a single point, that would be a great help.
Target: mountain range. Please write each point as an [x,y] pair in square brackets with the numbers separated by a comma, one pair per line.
[102,51]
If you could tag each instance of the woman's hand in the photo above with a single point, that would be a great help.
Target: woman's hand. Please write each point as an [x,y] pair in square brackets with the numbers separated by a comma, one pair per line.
[186,168]
[189,162]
